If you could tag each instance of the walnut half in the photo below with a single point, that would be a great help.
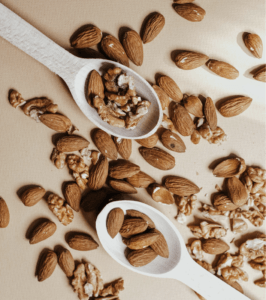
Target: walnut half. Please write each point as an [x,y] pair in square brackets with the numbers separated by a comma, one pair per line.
[207,230]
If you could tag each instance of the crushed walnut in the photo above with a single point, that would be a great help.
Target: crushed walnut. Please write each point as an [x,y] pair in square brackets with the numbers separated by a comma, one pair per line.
[216,136]
[16,99]
[254,248]
[58,158]
[113,289]
[207,230]
[213,214]
[254,216]
[195,250]
[227,260]
[167,123]
[185,205]
[205,265]
[234,274]
[261,282]
[79,168]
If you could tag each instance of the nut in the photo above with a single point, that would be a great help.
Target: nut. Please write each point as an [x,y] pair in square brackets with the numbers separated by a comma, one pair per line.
[239,225]
[121,169]
[98,173]
[72,195]
[234,106]
[58,158]
[95,87]
[33,195]
[236,191]
[133,226]
[223,203]
[140,180]
[56,122]
[207,230]
[254,248]
[213,214]
[71,143]
[194,106]
[46,265]
[254,216]
[254,180]
[137,214]
[133,46]
[254,44]
[261,282]
[170,87]
[66,262]
[15,99]
[210,113]
[160,194]
[190,12]
[113,288]
[160,246]
[124,147]
[42,232]
[4,214]
[258,263]
[189,60]
[150,141]
[122,186]
[158,158]
[172,141]
[230,167]
[195,250]
[260,74]
[104,143]
[186,204]
[234,274]
[181,186]
[216,136]
[152,27]
[214,246]
[89,36]
[142,240]
[163,97]
[79,281]
[222,69]
[81,241]
[142,257]
[115,221]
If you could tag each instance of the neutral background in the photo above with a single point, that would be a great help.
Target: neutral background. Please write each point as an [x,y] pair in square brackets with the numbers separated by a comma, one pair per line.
[25,146]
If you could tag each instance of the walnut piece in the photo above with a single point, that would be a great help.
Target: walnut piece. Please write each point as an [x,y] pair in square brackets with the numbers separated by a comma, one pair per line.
[216,136]
[79,281]
[261,282]
[79,168]
[259,263]
[186,204]
[207,230]
[228,260]
[234,274]
[254,216]
[239,225]
[205,265]
[16,99]
[195,250]
[255,180]
[132,119]
[112,74]
[113,289]
[94,283]
[254,248]
[214,214]
[167,123]
[58,158]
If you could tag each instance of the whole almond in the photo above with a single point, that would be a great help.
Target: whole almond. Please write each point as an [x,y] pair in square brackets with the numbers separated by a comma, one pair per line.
[98,173]
[114,50]
[181,186]
[158,158]
[87,37]
[42,232]
[160,246]
[152,27]
[195,137]
[142,240]
[93,200]
[115,221]
[95,87]
[150,141]
[66,262]
[71,143]
[170,87]
[214,246]
[132,44]
[172,141]
[124,147]
[181,119]
[260,74]
[46,265]
[140,180]
[163,97]
[72,195]
[56,122]
[194,106]
[222,69]
[81,241]
[33,195]
[223,203]
[121,169]
[189,60]
[122,186]
[237,191]
[230,167]
[133,226]
[140,258]
[137,214]
[234,106]
[254,44]
[104,143]
[4,214]
[190,12]
[160,194]
[210,113]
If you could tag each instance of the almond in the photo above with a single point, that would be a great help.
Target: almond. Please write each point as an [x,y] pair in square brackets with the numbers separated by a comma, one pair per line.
[124,147]
[181,119]
[223,203]
[142,240]
[93,200]
[152,27]
[160,194]
[189,60]
[140,180]
[115,221]
[172,141]
[260,74]
[86,37]
[195,137]
[158,158]
[222,69]
[194,106]
[163,97]
[230,167]
[160,246]
[71,143]
[254,44]
[170,87]
[114,50]
[214,246]
[190,12]
[46,265]
[233,284]
[150,141]
[181,186]
[42,232]
[56,122]
[104,143]
[122,186]
[95,87]
[133,226]
[98,173]
[137,214]
[140,258]
[4,214]
[72,195]
[234,106]
[81,241]
[121,169]
[32,195]
[132,44]
[66,262]
[237,191]
[210,113]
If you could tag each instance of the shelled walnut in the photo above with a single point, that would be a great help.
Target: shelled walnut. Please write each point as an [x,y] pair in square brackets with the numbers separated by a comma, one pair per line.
[216,136]
[16,99]
[228,260]
[195,250]
[79,168]
[185,206]
[207,230]
[234,274]
[254,216]
[254,248]
[58,158]
[113,289]
[261,282]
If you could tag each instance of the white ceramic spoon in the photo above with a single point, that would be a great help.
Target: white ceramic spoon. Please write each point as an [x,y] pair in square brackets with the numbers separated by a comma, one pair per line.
[74,71]
[178,266]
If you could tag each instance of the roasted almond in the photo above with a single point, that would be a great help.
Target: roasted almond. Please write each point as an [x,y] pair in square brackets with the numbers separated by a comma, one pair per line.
[152,27]
[140,258]
[230,167]
[160,194]
[33,195]
[93,200]
[163,97]
[56,122]
[260,74]
[237,191]
[254,44]
[158,158]
[86,37]
[72,195]
[160,246]
[46,265]
[42,232]
[210,113]
[137,214]
[81,241]
[234,106]
[223,203]
[214,246]
[71,143]
[124,147]
[121,169]
[133,226]
[140,180]
[172,141]
[222,69]
[104,143]
[66,262]
[150,141]
[4,214]
[170,87]
[142,240]
[115,221]
[190,12]
[122,186]
[181,186]
[95,87]
[189,60]
[98,173]
[194,106]
[132,44]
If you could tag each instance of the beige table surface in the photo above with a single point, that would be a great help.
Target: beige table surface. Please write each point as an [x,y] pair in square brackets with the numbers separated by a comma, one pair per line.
[25,146]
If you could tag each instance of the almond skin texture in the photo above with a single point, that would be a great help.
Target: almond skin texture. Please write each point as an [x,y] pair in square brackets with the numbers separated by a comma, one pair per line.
[72,195]
[181,119]
[82,242]
[98,173]
[158,158]
[133,226]
[95,86]
[86,38]
[210,113]
[189,60]
[121,169]
[139,258]
[105,144]
[137,214]
[124,147]
[172,141]
[254,44]
[42,232]
[214,246]
[150,141]
[223,203]
[237,191]
[152,27]
[142,240]
[132,44]
[140,180]
[115,221]
[170,87]
[160,194]
[66,262]
[230,167]
[46,265]
[194,106]
[190,12]
[32,195]
[181,186]
[163,97]
[4,214]
[160,246]
[222,69]
[260,74]
[71,143]
[122,186]
[56,122]
[235,106]
[114,50]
